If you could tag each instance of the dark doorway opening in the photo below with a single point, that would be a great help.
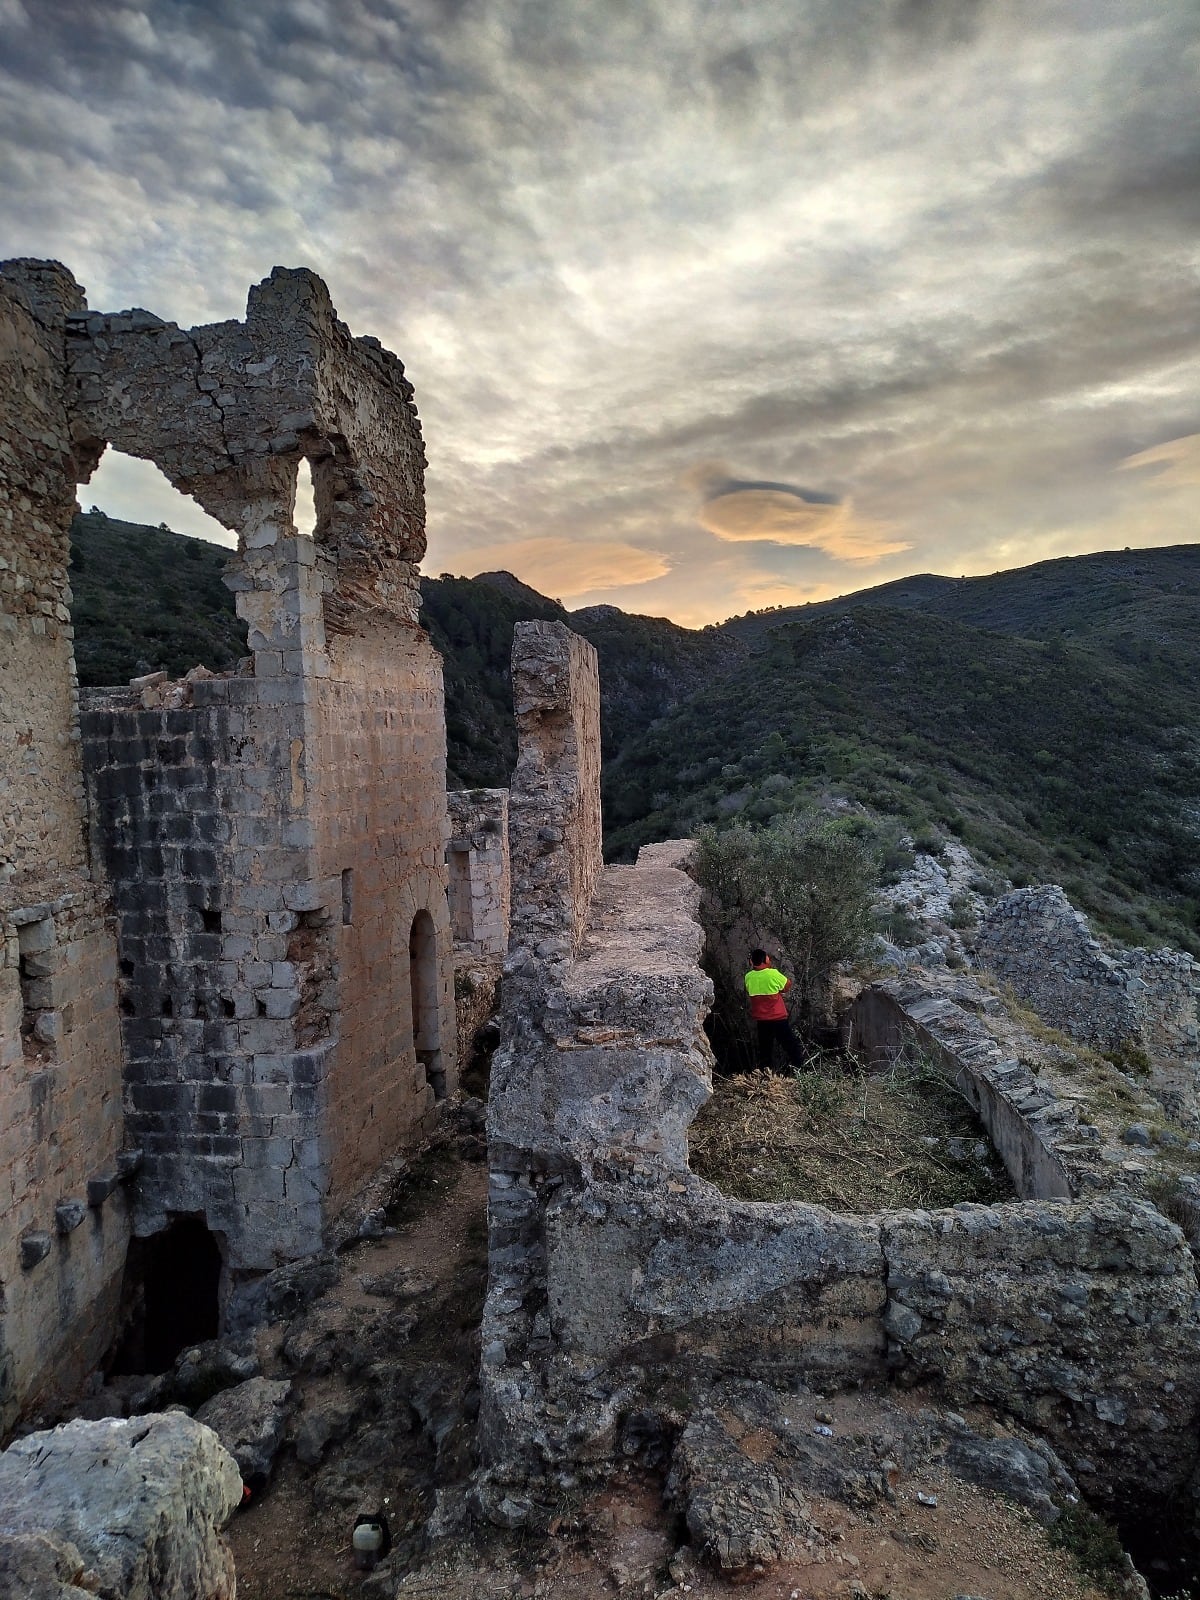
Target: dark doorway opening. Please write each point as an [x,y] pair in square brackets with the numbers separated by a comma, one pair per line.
[172,1296]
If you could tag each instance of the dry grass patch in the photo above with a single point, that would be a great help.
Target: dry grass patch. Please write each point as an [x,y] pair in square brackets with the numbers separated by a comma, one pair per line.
[834,1136]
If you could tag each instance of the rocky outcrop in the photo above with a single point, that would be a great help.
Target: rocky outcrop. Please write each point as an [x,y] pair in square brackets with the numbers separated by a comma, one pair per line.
[1114,999]
[1079,1320]
[137,1505]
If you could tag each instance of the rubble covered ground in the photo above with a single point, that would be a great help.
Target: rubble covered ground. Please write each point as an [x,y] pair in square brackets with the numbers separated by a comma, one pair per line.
[382,1364]
[834,1135]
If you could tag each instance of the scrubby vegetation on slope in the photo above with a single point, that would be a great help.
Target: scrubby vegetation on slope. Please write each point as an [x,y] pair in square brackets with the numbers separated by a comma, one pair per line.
[1050,760]
[1047,717]
[148,600]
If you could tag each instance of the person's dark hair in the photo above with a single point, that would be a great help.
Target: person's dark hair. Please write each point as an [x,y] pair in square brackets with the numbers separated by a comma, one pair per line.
[757,957]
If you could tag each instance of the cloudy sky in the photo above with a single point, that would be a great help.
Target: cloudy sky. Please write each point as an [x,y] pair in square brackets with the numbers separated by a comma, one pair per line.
[708,306]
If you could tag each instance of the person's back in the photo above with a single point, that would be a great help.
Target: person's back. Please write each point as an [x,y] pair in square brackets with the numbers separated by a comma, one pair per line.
[766,987]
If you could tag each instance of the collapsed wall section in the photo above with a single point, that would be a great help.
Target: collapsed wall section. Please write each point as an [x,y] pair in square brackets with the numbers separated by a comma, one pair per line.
[617,1276]
[63,1227]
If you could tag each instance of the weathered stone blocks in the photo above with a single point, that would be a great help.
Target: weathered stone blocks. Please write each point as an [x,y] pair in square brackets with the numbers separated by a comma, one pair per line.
[225,812]
[60,1060]
[555,825]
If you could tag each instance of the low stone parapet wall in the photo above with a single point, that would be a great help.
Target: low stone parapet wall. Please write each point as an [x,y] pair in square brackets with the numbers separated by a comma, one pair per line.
[1026,1122]
[618,1274]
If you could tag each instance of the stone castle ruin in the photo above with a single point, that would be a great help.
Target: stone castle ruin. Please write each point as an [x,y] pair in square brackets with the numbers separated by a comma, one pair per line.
[227,980]
[619,1276]
[246,929]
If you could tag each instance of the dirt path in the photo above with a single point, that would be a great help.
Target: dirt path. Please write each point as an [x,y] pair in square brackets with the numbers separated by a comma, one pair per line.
[621,1542]
[294,1542]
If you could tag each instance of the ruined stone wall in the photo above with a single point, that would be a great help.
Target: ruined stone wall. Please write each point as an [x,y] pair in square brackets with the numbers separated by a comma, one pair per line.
[616,1271]
[554,806]
[480,884]
[270,843]
[63,1229]
[617,1275]
[271,835]
[378,764]
[1035,941]
[196,815]
[277,837]
[228,410]
[1031,1128]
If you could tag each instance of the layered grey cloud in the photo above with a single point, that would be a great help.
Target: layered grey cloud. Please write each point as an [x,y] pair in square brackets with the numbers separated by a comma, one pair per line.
[917,275]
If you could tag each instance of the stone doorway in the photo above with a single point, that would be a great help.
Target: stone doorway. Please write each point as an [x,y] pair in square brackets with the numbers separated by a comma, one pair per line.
[172,1296]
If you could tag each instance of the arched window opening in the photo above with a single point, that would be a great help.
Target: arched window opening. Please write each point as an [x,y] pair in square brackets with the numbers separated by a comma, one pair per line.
[423,981]
[304,514]
[129,489]
[172,1296]
[145,599]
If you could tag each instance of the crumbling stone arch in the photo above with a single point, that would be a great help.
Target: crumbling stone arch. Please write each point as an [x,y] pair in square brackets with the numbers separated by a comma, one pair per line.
[227,411]
[424,938]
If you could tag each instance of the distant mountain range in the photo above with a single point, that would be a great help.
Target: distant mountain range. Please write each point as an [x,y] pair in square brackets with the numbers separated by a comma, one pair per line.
[1046,716]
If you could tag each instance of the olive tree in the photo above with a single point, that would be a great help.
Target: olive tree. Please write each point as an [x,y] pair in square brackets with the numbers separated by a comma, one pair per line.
[801,887]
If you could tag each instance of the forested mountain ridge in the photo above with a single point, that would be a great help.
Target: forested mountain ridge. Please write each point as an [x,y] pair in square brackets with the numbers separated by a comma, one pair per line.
[1047,716]
[1051,760]
[1140,604]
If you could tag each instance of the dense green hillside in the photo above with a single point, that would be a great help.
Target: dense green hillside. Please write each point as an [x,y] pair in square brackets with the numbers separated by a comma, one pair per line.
[1047,716]
[148,600]
[471,623]
[1142,605]
[1050,759]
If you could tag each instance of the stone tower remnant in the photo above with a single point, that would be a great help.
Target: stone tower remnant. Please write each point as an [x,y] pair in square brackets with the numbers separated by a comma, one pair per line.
[227,987]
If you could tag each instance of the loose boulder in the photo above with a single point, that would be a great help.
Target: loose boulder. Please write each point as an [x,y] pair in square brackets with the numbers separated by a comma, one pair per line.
[250,1421]
[124,1508]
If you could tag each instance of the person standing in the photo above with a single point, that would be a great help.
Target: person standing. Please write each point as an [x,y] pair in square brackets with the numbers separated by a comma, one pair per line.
[766,987]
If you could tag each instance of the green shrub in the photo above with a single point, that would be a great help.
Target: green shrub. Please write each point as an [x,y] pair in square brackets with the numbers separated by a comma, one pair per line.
[899,927]
[801,887]
[1095,1545]
[1131,1058]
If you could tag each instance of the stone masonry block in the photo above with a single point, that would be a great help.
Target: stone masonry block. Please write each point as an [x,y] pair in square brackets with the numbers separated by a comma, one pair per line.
[35,1247]
[68,1214]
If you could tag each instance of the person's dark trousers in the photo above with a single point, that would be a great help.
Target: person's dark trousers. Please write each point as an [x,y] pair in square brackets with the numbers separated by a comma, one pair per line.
[778,1032]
